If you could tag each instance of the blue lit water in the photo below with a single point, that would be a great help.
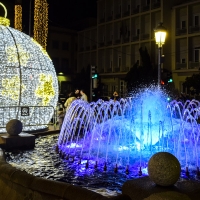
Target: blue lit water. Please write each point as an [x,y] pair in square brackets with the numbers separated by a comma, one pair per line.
[103,144]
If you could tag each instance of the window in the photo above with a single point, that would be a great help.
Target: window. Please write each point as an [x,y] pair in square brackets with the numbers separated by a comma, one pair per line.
[196,20]
[105,88]
[65,64]
[65,46]
[119,61]
[196,54]
[55,44]
[56,63]
[183,60]
[183,24]
[76,47]
[122,88]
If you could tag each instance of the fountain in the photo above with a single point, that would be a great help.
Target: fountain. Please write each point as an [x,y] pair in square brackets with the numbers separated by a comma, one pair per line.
[126,133]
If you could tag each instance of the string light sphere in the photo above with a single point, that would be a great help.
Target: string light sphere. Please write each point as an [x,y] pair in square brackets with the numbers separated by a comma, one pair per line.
[27,79]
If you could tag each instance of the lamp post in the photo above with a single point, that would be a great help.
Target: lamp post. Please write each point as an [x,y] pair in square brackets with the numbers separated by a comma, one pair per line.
[160,35]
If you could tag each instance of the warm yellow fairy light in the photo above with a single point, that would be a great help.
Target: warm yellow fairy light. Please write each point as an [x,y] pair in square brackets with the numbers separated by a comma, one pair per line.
[41,48]
[45,89]
[41,22]
[18,17]
[15,52]
[3,20]
[11,87]
[5,15]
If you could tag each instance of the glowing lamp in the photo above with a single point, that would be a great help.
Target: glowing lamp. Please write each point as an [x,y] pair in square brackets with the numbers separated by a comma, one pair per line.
[160,34]
[27,79]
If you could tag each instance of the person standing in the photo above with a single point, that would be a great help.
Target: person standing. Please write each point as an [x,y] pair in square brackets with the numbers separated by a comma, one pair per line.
[83,95]
[115,96]
[77,93]
[68,102]
[61,116]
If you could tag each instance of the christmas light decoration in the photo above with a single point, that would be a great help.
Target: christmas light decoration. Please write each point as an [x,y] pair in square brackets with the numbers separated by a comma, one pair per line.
[18,17]
[3,20]
[41,22]
[27,78]
[45,89]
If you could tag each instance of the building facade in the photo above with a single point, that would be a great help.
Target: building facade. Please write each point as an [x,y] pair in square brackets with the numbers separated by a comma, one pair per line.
[62,48]
[186,42]
[123,26]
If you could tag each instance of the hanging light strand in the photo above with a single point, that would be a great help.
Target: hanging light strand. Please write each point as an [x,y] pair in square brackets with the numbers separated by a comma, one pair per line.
[41,22]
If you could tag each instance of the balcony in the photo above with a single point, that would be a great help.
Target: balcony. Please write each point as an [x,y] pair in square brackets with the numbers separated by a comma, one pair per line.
[109,18]
[181,66]
[82,49]
[101,44]
[94,46]
[156,5]
[117,41]
[117,16]
[125,40]
[145,8]
[182,31]
[194,65]
[135,38]
[102,70]
[126,13]
[87,48]
[102,20]
[145,36]
[109,43]
[116,69]
[109,70]
[194,29]
[135,10]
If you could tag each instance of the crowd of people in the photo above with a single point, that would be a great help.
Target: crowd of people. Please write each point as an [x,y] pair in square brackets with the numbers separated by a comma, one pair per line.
[72,96]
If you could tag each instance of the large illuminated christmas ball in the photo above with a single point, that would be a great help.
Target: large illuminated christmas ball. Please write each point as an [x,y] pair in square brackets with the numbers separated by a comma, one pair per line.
[28,81]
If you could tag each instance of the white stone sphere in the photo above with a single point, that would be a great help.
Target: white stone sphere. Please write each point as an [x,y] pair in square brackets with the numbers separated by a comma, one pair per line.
[14,127]
[164,169]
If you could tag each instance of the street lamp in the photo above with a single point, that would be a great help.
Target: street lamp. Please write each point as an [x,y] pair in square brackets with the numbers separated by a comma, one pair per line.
[160,35]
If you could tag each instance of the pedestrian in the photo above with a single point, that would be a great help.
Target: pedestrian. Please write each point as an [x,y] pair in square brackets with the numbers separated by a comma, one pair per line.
[70,99]
[83,95]
[77,93]
[115,96]
[61,116]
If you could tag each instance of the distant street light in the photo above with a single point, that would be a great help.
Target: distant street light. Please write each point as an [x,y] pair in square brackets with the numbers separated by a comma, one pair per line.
[160,35]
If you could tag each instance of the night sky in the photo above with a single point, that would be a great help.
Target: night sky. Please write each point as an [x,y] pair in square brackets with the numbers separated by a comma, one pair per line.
[62,13]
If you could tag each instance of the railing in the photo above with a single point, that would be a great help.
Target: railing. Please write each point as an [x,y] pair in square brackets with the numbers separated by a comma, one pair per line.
[135,10]
[117,16]
[135,38]
[194,65]
[181,66]
[30,116]
[194,29]
[181,31]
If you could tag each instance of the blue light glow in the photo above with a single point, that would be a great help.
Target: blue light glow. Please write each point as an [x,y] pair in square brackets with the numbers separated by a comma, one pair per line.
[128,132]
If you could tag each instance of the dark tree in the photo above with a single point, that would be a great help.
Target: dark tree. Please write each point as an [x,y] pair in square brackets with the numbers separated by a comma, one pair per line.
[193,83]
[82,80]
[141,75]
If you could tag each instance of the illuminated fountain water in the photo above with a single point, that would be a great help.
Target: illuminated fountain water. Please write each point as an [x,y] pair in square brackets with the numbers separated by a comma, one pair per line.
[126,133]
